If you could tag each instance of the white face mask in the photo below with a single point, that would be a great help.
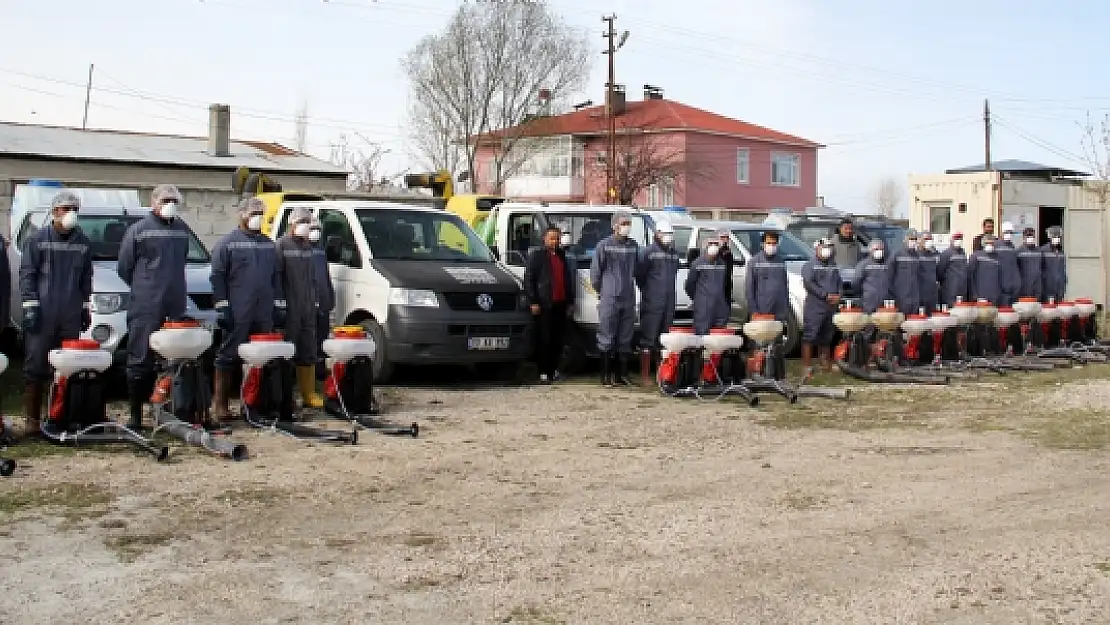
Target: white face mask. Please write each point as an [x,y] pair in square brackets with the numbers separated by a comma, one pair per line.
[69,220]
[168,211]
[254,223]
[666,238]
[1030,240]
[929,245]
[314,235]
[957,243]
[770,249]
[624,229]
[301,230]
[1056,240]
[1007,236]
[988,248]
[712,250]
[877,254]
[824,253]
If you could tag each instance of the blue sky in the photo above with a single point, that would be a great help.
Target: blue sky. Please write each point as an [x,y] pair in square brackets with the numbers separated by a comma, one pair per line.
[893,88]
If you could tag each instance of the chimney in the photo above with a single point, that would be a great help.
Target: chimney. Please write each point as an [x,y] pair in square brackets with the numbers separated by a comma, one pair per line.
[219,130]
[652,93]
[615,99]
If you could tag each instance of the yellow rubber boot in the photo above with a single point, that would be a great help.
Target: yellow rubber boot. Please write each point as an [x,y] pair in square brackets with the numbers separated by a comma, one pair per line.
[306,382]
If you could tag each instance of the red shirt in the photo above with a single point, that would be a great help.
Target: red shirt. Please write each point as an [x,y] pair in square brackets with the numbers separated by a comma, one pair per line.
[558,281]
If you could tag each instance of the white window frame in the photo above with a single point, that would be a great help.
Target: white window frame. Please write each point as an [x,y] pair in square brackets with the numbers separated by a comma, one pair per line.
[661,194]
[795,161]
[743,165]
[653,195]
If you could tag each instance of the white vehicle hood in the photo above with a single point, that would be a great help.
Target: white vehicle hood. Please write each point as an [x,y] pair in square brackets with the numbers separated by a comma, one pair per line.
[107,280]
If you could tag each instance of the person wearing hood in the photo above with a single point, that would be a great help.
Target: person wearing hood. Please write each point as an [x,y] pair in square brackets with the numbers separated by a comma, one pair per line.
[613,277]
[152,260]
[1031,266]
[929,286]
[247,286]
[297,271]
[873,277]
[656,274]
[821,279]
[549,284]
[984,273]
[705,286]
[766,283]
[846,249]
[952,271]
[1008,261]
[1055,265]
[325,294]
[906,278]
[55,284]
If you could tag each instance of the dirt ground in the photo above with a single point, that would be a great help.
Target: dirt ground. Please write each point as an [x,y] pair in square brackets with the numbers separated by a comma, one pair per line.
[982,502]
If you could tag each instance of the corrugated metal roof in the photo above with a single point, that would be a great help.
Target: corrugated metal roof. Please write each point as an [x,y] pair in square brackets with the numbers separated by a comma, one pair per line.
[153,149]
[1018,166]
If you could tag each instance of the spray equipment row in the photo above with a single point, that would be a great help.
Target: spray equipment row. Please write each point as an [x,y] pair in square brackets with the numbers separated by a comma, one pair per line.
[717,365]
[966,339]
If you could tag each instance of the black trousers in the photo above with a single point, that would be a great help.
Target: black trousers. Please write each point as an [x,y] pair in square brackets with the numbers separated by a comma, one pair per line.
[551,332]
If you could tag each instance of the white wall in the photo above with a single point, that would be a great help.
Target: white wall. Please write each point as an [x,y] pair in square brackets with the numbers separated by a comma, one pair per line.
[974,191]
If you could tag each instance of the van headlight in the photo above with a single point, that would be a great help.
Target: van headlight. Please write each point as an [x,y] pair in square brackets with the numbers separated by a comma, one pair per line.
[108,303]
[413,297]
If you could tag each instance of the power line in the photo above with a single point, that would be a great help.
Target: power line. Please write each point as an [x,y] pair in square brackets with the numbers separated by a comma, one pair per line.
[1041,143]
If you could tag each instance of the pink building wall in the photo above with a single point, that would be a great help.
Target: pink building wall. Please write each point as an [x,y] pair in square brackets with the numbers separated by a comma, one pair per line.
[710,176]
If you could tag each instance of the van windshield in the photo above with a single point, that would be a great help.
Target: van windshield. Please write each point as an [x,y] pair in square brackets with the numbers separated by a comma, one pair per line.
[588,229]
[420,235]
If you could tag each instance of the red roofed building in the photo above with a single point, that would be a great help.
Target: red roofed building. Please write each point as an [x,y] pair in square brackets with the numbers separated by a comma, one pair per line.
[668,154]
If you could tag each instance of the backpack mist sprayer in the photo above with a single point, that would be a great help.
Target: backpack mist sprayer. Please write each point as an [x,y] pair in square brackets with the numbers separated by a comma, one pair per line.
[7,465]
[77,411]
[181,397]
[349,387]
[267,391]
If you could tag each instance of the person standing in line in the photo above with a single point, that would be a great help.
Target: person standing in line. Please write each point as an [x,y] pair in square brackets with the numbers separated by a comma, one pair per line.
[988,229]
[930,273]
[325,295]
[706,287]
[1008,261]
[821,279]
[846,249]
[952,271]
[297,269]
[906,278]
[1031,266]
[613,277]
[1055,265]
[549,285]
[656,273]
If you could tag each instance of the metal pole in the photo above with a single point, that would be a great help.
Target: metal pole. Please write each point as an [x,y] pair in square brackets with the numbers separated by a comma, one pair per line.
[88,97]
[611,158]
[987,134]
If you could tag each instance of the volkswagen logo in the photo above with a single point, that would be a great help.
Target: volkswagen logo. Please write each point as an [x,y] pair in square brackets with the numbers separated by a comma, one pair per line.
[485,302]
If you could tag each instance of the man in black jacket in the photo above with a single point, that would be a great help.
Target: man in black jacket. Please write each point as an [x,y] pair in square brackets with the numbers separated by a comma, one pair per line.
[549,283]
[988,229]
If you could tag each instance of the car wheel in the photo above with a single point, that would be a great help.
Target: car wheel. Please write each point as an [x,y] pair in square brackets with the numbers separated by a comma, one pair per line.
[793,335]
[383,369]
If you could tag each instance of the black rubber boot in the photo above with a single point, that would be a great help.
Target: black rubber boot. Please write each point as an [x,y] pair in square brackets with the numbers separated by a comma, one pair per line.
[606,368]
[621,377]
[138,394]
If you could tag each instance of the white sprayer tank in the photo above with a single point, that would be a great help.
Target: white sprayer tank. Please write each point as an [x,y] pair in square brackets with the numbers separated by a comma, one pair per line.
[347,343]
[79,355]
[263,348]
[181,340]
[3,363]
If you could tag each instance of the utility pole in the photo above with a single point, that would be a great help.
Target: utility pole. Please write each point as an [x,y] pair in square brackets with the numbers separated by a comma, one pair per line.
[611,135]
[987,134]
[88,97]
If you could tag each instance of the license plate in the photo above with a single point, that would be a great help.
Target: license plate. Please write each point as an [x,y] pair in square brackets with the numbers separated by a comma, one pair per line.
[488,342]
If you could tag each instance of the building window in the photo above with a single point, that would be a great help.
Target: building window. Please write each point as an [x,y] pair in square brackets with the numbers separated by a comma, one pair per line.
[743,157]
[661,193]
[785,169]
[940,219]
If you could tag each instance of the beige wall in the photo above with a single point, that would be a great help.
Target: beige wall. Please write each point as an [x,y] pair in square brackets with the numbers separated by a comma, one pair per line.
[209,202]
[975,191]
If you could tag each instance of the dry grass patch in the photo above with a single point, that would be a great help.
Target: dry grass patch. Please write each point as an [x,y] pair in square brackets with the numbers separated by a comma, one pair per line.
[71,497]
[533,615]
[129,547]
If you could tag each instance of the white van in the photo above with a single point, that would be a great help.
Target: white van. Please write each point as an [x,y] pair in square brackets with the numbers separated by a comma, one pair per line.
[400,272]
[104,218]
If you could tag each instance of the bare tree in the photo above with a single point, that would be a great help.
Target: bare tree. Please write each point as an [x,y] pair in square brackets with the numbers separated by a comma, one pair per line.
[1096,151]
[888,196]
[645,159]
[363,162]
[483,74]
[300,127]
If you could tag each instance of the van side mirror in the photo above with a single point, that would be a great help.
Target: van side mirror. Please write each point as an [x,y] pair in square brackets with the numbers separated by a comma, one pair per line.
[333,249]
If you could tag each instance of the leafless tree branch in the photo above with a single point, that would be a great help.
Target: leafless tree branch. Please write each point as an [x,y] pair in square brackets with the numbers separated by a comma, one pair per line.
[888,196]
[645,159]
[363,163]
[1096,151]
[483,73]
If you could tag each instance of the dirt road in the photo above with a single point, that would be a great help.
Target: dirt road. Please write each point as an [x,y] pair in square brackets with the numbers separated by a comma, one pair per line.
[985,502]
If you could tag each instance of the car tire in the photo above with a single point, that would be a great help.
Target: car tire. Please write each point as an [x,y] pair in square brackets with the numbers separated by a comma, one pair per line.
[383,369]
[793,335]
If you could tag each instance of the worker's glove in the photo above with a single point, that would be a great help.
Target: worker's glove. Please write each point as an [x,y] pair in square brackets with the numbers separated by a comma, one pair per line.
[223,316]
[32,317]
[280,314]
[86,317]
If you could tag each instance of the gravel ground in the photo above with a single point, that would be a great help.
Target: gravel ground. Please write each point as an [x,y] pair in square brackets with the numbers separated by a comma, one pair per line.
[573,504]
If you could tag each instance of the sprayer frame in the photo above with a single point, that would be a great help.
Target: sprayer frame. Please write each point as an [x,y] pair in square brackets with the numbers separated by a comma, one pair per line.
[292,428]
[368,421]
